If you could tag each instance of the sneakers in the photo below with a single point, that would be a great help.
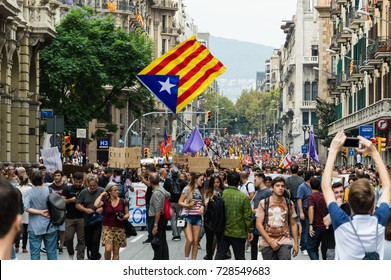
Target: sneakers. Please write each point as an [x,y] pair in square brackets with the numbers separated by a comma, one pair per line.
[199,245]
[304,252]
[207,258]
[148,241]
[60,251]
[176,238]
[43,250]
[25,251]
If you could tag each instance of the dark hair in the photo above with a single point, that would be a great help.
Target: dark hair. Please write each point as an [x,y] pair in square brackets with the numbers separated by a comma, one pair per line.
[308,175]
[277,180]
[209,172]
[294,168]
[387,231]
[260,175]
[37,178]
[58,172]
[9,206]
[78,176]
[210,187]
[268,178]
[233,178]
[315,183]
[42,167]
[336,185]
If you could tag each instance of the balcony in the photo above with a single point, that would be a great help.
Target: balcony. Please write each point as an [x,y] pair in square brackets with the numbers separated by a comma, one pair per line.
[308,104]
[169,31]
[335,9]
[310,60]
[342,2]
[9,8]
[334,44]
[363,64]
[356,21]
[166,5]
[354,75]
[342,82]
[367,115]
[382,48]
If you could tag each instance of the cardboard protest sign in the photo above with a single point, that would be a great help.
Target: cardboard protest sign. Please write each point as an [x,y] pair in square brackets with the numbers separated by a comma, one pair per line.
[199,164]
[125,157]
[229,163]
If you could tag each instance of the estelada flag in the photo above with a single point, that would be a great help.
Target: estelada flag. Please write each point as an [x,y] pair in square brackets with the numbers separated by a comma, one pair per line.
[166,145]
[180,75]
[281,149]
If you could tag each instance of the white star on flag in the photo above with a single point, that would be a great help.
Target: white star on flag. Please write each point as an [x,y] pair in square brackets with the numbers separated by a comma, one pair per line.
[166,86]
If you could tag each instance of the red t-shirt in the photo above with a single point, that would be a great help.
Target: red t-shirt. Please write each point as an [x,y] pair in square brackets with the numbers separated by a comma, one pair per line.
[109,218]
[316,199]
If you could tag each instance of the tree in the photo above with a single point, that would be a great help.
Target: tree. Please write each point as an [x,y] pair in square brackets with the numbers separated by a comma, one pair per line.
[326,115]
[87,67]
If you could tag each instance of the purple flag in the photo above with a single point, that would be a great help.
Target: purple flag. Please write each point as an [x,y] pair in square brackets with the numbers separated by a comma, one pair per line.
[194,143]
[313,153]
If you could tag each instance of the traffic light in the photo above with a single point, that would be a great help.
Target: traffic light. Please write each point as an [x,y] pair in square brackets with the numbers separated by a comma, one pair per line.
[225,131]
[351,66]
[146,153]
[208,116]
[67,147]
[344,153]
[381,144]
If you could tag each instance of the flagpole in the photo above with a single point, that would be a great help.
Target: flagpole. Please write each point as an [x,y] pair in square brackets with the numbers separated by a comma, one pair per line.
[179,119]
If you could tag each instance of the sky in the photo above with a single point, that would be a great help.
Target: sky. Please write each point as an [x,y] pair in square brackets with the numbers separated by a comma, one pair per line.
[256,21]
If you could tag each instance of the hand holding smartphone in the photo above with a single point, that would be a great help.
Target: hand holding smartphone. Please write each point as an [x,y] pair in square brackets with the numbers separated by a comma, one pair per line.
[351,142]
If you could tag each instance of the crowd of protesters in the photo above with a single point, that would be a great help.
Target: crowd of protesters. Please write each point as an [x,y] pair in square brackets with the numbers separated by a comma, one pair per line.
[274,213]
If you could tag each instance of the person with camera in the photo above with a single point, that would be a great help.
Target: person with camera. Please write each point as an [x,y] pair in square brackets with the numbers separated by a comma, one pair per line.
[115,213]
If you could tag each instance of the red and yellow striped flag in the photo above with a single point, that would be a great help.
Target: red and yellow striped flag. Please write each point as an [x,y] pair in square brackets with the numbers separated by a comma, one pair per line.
[180,75]
[281,149]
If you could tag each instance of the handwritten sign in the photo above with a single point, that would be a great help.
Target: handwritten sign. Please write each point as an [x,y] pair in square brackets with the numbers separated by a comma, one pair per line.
[125,157]
[137,205]
[199,164]
[51,159]
[229,163]
[180,159]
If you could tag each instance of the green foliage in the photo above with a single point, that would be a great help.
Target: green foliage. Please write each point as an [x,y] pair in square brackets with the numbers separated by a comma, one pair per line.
[88,66]
[326,115]
[256,108]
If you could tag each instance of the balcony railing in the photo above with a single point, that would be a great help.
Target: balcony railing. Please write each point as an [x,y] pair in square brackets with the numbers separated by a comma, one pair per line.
[122,5]
[166,5]
[310,60]
[382,47]
[335,8]
[169,30]
[308,104]
[380,109]
[355,20]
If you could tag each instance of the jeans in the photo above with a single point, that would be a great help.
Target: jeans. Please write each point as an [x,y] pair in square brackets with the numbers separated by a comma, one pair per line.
[284,253]
[176,213]
[50,242]
[254,247]
[238,246]
[314,243]
[92,239]
[304,231]
[73,226]
[161,253]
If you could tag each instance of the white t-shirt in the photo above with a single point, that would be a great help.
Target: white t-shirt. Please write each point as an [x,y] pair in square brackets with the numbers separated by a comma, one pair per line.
[347,245]
[247,186]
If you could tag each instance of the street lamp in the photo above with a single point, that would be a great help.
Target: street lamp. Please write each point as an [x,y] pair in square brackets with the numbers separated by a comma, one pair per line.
[347,29]
[334,52]
[155,142]
[318,69]
[364,13]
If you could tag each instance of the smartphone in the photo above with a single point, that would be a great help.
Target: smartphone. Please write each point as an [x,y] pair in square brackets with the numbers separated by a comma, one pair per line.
[351,142]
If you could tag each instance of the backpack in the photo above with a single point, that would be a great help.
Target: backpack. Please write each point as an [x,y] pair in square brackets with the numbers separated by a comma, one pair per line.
[368,255]
[57,209]
[121,190]
[167,211]
[266,216]
[215,215]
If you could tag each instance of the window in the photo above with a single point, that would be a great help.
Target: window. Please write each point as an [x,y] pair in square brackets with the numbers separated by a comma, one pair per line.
[307,91]
[314,90]
[164,42]
[314,50]
[306,117]
[164,24]
[314,118]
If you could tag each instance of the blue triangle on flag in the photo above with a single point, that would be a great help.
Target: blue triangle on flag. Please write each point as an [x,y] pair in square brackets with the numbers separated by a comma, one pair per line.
[165,87]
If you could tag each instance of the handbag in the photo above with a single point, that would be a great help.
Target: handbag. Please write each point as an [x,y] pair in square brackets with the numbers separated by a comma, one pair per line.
[181,223]
[130,230]
[94,219]
[155,243]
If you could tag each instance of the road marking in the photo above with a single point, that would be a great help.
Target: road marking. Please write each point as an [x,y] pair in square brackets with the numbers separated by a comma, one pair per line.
[137,238]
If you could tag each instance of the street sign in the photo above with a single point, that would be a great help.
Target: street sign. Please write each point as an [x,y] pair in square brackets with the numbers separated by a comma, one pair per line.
[351,153]
[366,131]
[382,124]
[81,133]
[55,125]
[304,149]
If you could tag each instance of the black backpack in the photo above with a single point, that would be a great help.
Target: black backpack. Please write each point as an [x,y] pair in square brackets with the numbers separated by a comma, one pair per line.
[215,215]
[57,208]
[266,216]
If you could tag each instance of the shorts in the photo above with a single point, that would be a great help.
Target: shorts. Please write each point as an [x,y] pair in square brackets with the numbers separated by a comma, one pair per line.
[194,220]
[113,235]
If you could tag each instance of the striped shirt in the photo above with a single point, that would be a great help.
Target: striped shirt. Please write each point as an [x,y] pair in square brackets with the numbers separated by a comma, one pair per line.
[197,198]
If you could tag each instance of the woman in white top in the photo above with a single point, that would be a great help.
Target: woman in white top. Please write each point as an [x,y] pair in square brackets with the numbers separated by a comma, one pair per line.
[387,242]
[23,186]
[193,209]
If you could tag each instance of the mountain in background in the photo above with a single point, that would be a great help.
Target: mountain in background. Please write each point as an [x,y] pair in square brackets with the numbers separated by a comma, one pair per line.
[242,59]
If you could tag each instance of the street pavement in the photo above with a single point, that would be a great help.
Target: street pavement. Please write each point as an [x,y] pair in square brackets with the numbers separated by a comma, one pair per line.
[136,250]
